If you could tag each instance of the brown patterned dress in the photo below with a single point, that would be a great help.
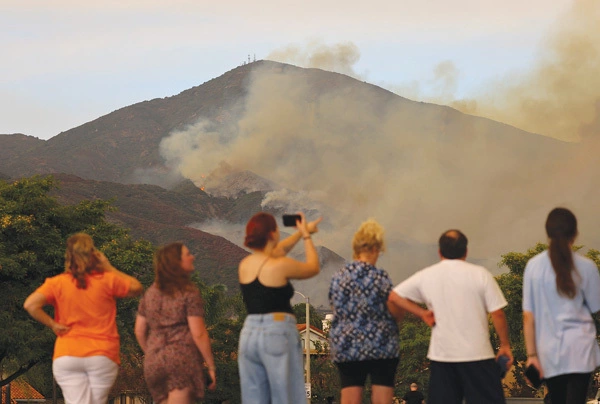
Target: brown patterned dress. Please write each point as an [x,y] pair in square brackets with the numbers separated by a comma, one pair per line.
[172,360]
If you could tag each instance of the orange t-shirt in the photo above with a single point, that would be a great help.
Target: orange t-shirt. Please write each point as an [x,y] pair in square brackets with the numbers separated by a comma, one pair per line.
[90,313]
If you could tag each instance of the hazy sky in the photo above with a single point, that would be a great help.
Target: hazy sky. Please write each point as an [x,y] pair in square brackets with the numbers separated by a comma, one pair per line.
[64,63]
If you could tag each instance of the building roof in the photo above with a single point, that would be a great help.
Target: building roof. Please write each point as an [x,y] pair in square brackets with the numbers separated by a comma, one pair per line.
[21,390]
[302,327]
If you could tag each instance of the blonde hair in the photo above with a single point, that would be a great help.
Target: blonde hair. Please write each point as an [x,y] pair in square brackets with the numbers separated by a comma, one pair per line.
[368,237]
[80,258]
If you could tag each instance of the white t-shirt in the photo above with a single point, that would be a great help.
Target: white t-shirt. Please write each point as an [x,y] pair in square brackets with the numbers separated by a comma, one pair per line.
[460,295]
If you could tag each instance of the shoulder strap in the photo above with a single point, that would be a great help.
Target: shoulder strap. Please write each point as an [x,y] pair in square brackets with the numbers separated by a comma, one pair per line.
[261,267]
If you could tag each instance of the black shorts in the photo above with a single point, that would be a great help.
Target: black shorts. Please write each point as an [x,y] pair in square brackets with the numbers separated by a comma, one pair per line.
[382,372]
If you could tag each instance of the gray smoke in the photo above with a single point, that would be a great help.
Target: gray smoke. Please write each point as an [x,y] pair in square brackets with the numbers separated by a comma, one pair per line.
[351,153]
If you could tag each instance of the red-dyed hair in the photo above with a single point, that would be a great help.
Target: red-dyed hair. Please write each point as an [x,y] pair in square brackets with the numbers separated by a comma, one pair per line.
[258,229]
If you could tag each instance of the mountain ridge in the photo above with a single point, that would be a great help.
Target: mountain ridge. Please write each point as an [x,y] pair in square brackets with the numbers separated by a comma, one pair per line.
[419,168]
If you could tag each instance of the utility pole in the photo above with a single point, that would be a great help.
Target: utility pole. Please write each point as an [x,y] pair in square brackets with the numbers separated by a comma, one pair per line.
[307,348]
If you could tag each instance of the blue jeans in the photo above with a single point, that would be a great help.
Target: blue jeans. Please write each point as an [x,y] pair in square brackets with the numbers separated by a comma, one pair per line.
[270,360]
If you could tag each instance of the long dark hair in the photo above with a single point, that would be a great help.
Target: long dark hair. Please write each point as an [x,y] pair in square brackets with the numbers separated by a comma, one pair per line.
[561,228]
[170,277]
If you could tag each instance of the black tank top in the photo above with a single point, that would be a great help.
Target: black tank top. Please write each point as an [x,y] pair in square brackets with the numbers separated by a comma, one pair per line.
[261,299]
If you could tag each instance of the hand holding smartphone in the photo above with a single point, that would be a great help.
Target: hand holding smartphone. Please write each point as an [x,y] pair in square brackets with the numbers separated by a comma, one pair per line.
[290,220]
[533,375]
[502,362]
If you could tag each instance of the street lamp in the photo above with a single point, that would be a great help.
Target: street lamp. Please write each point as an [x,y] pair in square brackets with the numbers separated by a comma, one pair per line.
[307,347]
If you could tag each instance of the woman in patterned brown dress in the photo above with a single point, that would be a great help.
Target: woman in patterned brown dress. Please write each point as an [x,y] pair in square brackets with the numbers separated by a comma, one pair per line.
[170,329]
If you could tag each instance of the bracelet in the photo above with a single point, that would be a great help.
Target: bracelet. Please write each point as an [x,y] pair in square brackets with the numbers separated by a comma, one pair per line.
[532,355]
[306,238]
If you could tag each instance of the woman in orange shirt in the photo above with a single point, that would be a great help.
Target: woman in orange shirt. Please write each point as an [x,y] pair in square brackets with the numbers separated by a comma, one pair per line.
[86,352]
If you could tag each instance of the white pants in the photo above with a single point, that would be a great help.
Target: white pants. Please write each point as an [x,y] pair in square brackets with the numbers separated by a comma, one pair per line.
[85,380]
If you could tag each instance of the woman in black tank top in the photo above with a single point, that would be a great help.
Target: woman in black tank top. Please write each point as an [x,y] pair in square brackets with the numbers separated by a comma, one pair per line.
[270,354]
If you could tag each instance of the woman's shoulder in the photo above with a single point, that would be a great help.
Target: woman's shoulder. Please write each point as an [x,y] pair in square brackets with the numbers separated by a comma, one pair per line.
[152,292]
[53,282]
[61,277]
[345,270]
[539,259]
[584,263]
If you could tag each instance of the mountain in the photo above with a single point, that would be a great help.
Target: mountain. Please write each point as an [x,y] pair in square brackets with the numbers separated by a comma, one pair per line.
[161,216]
[15,145]
[317,288]
[117,146]
[275,137]
[113,147]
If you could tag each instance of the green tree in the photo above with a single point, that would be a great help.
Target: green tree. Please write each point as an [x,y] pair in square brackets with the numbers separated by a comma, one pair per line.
[324,378]
[33,231]
[316,319]
[225,315]
[414,365]
[511,284]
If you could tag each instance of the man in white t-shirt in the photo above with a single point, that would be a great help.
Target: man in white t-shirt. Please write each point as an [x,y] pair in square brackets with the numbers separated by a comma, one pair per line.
[459,296]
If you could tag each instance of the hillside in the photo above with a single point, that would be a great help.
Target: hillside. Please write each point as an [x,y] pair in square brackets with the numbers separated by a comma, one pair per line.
[161,217]
[306,139]
[118,146]
[16,146]
[114,146]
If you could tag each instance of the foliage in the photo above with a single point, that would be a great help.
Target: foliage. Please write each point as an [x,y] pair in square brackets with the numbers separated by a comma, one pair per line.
[224,315]
[33,231]
[316,318]
[594,255]
[511,284]
[224,337]
[414,365]
[324,379]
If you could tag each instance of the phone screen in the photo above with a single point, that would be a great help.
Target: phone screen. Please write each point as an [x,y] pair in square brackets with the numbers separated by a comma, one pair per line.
[290,220]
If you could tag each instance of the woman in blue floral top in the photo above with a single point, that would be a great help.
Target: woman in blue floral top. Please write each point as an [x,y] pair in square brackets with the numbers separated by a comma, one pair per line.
[364,333]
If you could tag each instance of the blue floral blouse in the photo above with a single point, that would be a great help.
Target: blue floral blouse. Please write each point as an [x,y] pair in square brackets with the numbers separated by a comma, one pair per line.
[362,327]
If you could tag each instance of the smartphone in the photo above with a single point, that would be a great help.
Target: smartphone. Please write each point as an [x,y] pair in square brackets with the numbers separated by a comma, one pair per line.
[533,375]
[502,361]
[290,220]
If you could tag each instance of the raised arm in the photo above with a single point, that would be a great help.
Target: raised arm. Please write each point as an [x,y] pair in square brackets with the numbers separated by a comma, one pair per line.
[135,287]
[285,246]
[293,269]
[501,326]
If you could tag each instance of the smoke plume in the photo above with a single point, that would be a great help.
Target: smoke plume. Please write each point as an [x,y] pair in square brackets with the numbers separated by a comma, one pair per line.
[339,58]
[560,95]
[351,151]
